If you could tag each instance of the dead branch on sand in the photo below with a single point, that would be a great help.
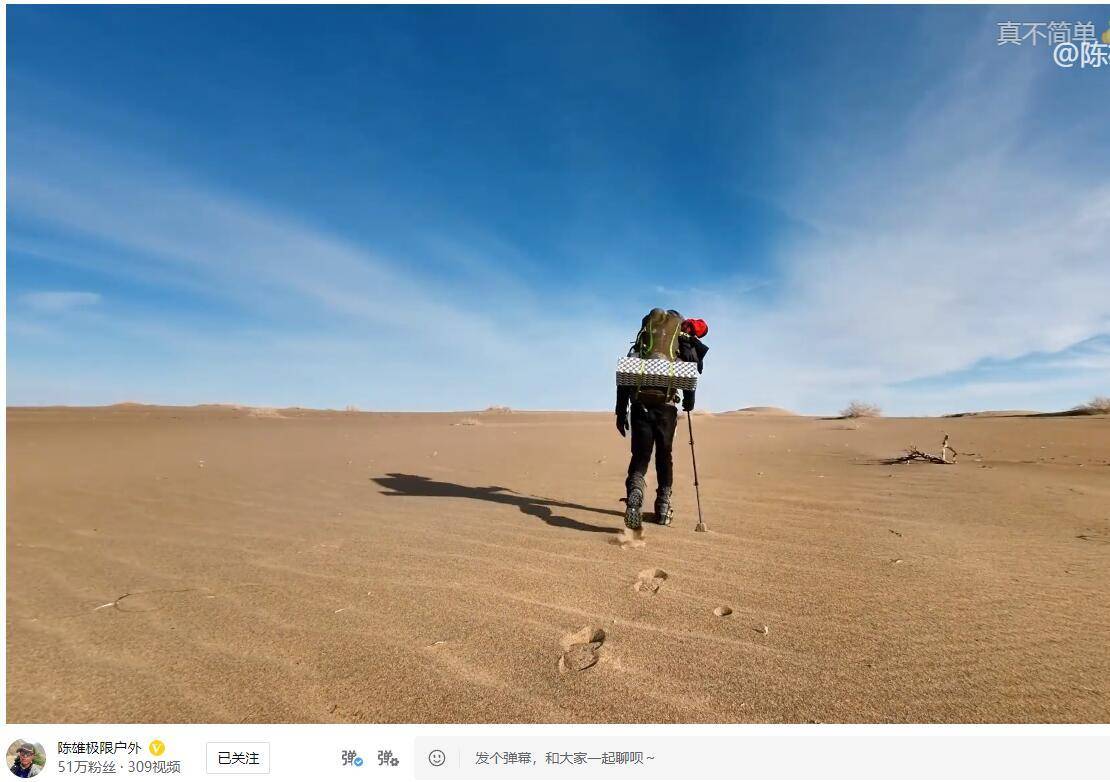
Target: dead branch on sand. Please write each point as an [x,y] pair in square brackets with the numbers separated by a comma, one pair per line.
[913,454]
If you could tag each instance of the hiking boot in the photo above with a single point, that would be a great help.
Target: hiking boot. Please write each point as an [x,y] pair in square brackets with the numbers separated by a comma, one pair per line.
[635,502]
[663,510]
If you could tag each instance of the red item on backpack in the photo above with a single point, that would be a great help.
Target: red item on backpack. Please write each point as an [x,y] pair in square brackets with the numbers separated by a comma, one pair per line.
[695,326]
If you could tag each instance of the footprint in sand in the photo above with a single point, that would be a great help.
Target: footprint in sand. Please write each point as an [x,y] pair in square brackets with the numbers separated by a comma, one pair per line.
[649,581]
[630,538]
[722,611]
[580,649]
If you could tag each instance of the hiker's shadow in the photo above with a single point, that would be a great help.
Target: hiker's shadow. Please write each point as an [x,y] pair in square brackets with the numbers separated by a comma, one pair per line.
[401,485]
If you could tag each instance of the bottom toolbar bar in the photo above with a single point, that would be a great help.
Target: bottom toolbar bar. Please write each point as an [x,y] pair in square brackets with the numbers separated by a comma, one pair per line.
[595,752]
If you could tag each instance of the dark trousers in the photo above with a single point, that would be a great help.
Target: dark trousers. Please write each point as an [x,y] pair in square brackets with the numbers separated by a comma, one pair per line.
[652,427]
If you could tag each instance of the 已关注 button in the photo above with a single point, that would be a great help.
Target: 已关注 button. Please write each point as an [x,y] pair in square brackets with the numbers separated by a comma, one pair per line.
[237,757]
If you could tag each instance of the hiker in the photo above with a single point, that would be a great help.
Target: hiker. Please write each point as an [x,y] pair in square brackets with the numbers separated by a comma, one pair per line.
[664,334]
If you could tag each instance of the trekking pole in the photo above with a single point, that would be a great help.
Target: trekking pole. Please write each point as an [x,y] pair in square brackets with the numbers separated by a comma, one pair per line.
[701,524]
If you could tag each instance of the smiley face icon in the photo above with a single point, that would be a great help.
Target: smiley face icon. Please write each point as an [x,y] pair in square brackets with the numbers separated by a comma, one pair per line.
[437,757]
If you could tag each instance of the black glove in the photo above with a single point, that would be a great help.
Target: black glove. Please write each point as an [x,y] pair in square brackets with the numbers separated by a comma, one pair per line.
[622,422]
[687,400]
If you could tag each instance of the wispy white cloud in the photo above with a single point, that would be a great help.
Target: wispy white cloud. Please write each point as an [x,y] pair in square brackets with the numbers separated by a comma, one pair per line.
[956,241]
[382,335]
[53,302]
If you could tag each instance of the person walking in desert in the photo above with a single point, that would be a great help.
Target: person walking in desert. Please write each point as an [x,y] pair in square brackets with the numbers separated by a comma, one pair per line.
[665,335]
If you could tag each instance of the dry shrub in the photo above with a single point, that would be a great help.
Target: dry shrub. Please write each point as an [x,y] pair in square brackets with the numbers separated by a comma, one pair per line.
[858,409]
[1100,404]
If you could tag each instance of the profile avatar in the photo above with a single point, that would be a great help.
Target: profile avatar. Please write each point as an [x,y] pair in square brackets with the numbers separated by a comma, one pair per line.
[25,759]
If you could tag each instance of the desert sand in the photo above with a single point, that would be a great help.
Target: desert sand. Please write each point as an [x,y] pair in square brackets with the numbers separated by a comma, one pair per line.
[220,564]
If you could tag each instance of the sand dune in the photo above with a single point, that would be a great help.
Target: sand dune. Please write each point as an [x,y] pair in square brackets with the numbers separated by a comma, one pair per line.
[762,410]
[201,564]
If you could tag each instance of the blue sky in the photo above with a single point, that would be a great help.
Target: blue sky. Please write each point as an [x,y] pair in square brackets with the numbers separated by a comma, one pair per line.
[420,209]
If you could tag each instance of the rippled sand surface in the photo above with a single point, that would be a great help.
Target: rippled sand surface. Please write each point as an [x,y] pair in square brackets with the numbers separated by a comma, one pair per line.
[223,564]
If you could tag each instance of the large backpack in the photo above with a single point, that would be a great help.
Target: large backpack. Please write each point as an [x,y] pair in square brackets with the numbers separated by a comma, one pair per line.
[658,338]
